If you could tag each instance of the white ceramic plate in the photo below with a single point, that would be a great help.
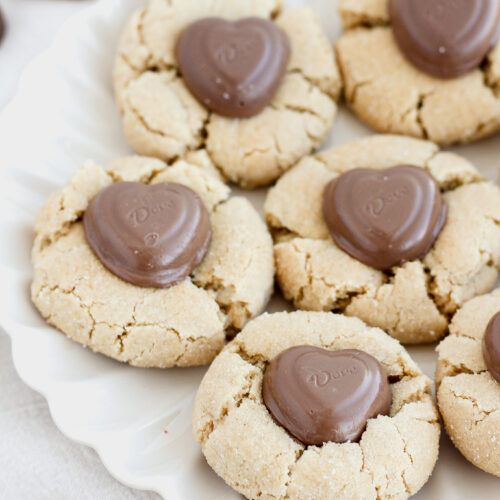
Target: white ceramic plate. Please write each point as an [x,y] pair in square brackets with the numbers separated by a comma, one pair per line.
[139,421]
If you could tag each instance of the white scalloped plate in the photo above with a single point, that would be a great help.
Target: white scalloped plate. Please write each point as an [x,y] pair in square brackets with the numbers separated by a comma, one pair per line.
[139,421]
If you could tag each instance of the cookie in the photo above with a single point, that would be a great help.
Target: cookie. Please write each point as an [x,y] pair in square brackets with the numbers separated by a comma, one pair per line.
[468,394]
[378,53]
[163,118]
[412,301]
[153,327]
[259,458]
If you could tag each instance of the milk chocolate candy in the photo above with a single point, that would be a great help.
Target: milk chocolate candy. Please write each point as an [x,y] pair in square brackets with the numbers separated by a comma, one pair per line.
[319,395]
[445,38]
[151,236]
[491,347]
[233,68]
[384,217]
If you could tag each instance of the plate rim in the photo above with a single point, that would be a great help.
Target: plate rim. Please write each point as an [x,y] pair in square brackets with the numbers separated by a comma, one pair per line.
[49,56]
[89,438]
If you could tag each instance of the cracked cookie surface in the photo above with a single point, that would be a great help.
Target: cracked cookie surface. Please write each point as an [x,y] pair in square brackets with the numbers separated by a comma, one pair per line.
[468,396]
[162,119]
[258,458]
[391,95]
[414,302]
[149,326]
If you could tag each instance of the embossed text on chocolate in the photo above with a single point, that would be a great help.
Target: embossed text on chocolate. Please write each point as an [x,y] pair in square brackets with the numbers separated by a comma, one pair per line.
[438,10]
[229,52]
[377,205]
[323,377]
[141,214]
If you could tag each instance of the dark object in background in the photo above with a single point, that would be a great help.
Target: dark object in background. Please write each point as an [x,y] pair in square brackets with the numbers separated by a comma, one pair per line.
[2,25]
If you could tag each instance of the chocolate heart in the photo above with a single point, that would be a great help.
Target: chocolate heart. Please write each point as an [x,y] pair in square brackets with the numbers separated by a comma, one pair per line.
[384,217]
[320,396]
[491,346]
[445,38]
[233,68]
[148,235]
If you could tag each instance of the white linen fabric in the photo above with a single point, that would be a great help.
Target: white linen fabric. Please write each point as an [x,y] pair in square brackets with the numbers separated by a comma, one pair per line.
[37,461]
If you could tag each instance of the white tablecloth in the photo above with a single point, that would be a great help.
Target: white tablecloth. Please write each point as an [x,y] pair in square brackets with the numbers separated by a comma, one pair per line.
[36,460]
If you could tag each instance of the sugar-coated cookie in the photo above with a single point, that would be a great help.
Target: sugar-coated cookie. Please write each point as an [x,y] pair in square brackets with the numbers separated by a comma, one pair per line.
[388,91]
[245,445]
[163,118]
[185,323]
[411,301]
[468,394]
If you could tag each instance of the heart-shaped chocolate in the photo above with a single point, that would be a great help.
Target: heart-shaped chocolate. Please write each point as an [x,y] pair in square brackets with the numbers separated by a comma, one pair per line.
[445,38]
[384,217]
[320,396]
[491,346]
[151,236]
[233,68]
